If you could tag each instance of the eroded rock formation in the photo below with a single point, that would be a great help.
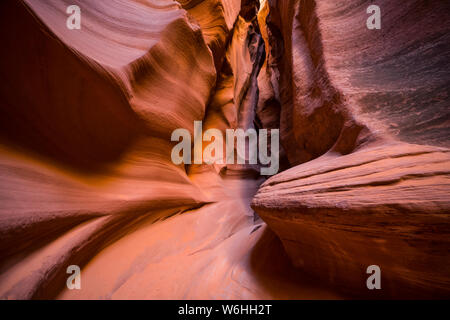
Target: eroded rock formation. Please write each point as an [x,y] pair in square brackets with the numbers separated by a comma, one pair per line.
[86,118]
[359,192]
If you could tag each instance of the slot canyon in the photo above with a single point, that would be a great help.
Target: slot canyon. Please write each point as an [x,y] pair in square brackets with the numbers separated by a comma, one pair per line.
[86,176]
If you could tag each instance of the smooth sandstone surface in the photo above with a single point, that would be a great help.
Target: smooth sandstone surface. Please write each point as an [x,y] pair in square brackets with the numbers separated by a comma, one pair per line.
[355,104]
[87,179]
[386,205]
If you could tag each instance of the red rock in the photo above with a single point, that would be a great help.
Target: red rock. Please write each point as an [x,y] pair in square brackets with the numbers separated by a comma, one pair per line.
[86,176]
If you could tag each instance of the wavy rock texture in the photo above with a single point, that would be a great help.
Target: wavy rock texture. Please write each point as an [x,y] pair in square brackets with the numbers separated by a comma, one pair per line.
[97,124]
[385,205]
[86,118]
[352,100]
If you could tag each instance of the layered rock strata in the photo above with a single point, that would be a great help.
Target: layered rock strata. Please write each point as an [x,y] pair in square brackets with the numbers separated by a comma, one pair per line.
[361,191]
[86,118]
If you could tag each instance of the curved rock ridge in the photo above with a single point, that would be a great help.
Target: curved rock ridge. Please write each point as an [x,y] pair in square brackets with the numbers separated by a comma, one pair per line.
[86,142]
[392,178]
[334,79]
[356,195]
[386,205]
